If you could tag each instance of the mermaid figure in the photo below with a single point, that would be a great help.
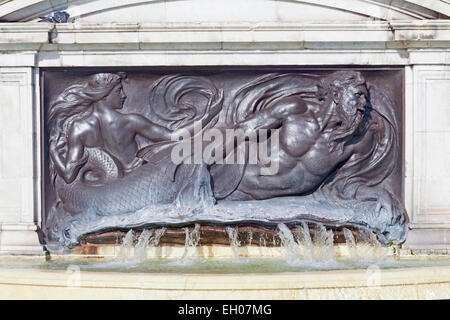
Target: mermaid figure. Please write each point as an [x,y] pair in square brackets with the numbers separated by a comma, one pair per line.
[93,151]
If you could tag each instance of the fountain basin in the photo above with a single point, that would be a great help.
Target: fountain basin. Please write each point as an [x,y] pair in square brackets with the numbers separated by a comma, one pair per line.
[281,264]
[211,273]
[404,283]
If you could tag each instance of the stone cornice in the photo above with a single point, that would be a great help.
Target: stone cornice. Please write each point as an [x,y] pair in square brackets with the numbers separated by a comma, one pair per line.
[25,27]
[426,33]
[31,35]
[252,26]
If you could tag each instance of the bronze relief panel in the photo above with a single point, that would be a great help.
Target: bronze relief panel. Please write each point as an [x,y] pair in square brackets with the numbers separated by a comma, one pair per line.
[174,146]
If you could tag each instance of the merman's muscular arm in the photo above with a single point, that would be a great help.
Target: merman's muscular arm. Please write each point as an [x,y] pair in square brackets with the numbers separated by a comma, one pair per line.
[273,116]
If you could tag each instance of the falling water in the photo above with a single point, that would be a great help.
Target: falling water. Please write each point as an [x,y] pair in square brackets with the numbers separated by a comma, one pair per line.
[141,246]
[302,250]
[154,241]
[323,243]
[299,247]
[304,237]
[262,241]
[250,237]
[350,242]
[368,244]
[195,236]
[186,243]
[125,248]
[288,243]
[191,241]
[233,234]
[262,245]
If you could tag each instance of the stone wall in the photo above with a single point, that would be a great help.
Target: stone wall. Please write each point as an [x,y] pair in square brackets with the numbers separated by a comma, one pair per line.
[422,47]
[427,137]
[18,189]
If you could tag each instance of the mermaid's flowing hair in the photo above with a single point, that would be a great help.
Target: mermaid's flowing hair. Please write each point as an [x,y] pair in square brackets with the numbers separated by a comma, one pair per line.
[74,103]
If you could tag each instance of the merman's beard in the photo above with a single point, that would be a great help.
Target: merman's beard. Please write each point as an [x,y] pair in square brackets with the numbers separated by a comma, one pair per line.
[349,125]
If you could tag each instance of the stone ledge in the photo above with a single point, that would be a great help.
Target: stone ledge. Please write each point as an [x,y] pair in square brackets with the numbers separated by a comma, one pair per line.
[19,238]
[403,33]
[236,57]
[252,32]
[431,238]
[25,33]
[414,283]
[18,227]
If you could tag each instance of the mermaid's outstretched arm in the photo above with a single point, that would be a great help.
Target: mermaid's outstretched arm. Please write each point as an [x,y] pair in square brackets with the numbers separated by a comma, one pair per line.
[148,129]
[157,133]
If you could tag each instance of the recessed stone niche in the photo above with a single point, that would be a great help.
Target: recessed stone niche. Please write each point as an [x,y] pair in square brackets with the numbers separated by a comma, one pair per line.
[339,134]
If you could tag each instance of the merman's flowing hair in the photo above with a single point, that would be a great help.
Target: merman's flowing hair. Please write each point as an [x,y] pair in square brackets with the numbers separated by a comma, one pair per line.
[370,169]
